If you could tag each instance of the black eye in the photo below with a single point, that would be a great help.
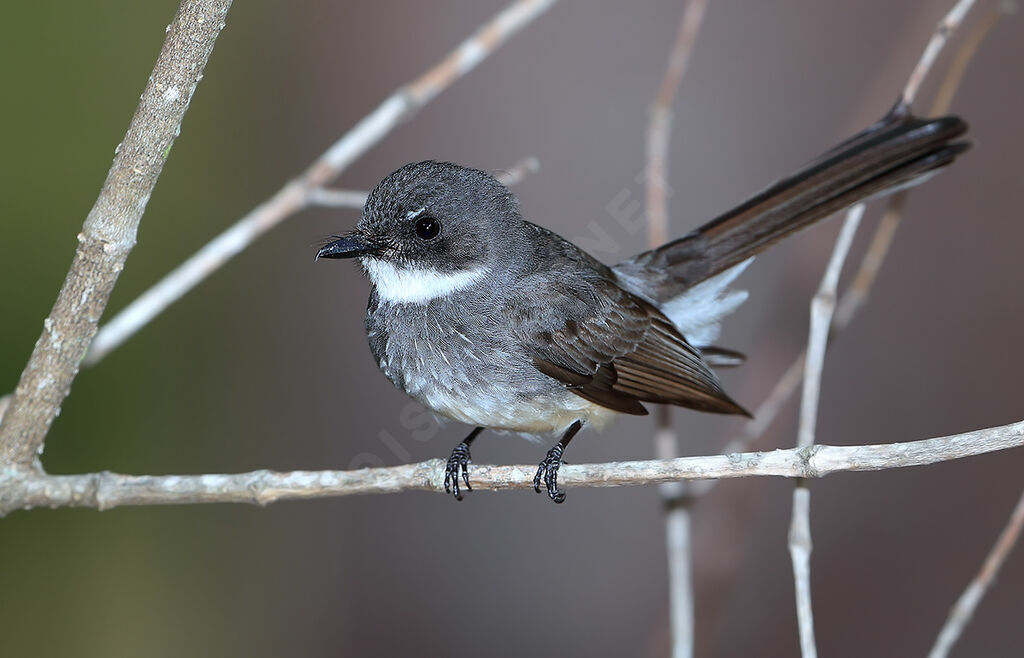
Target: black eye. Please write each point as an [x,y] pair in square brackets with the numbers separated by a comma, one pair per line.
[427,227]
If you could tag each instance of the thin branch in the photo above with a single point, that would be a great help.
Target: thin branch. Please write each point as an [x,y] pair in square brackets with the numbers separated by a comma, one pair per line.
[22,490]
[109,231]
[800,553]
[659,128]
[963,611]
[856,294]
[515,174]
[966,52]
[666,443]
[323,196]
[946,27]
[822,307]
[333,198]
[294,196]
[678,543]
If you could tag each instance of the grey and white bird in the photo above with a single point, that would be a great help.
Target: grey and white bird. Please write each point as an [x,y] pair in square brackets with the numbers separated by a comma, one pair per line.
[496,322]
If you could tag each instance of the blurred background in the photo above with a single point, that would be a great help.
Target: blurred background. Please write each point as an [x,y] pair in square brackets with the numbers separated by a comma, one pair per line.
[265,364]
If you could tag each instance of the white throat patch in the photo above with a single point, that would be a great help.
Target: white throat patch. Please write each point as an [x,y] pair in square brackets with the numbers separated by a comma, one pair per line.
[416,285]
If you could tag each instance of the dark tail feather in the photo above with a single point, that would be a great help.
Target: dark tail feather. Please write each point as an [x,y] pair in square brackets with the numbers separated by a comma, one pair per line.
[898,151]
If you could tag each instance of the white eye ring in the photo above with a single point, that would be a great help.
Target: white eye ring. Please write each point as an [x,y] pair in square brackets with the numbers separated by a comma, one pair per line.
[413,214]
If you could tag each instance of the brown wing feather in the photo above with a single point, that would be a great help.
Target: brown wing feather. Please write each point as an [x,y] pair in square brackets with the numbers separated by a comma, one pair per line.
[614,349]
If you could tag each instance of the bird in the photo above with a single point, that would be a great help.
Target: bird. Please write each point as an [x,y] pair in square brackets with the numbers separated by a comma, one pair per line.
[491,320]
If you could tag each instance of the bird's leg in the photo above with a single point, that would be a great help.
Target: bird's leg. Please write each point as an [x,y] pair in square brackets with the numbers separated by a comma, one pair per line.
[457,462]
[548,469]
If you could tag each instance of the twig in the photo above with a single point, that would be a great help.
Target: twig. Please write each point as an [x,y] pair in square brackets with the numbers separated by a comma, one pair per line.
[21,490]
[666,444]
[294,196]
[800,544]
[822,307]
[325,196]
[856,294]
[946,27]
[678,543]
[109,231]
[963,611]
[515,174]
[660,126]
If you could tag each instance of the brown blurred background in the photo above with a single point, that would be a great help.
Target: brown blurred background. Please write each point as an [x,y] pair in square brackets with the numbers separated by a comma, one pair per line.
[266,365]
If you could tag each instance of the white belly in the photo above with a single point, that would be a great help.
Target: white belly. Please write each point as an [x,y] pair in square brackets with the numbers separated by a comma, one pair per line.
[552,416]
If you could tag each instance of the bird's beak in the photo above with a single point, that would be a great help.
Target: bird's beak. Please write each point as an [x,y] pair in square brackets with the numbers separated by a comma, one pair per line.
[346,247]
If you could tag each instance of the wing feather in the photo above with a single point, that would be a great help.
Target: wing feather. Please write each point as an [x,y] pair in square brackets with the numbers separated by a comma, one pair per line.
[614,349]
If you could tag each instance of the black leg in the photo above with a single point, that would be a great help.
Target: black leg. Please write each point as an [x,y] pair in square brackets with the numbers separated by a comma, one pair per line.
[548,469]
[457,462]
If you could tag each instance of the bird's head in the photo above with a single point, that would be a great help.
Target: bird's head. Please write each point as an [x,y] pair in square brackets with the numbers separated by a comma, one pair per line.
[430,228]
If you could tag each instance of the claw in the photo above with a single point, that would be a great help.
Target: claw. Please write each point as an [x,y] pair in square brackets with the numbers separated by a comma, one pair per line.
[548,470]
[457,463]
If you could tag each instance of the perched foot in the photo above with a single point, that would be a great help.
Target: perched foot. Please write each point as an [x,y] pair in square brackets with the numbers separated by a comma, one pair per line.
[457,462]
[548,470]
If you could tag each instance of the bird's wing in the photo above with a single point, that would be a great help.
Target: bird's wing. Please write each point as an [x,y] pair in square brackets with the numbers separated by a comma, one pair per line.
[613,348]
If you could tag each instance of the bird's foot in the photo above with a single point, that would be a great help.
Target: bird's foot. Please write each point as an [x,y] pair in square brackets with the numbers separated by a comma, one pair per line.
[548,471]
[457,463]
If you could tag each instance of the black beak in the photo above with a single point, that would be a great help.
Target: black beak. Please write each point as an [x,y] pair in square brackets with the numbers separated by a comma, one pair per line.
[346,247]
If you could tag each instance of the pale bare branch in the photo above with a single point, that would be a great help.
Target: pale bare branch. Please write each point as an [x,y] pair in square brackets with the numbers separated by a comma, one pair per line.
[323,196]
[963,611]
[109,231]
[294,196]
[678,543]
[333,198]
[515,174]
[659,128]
[21,490]
[946,27]
[822,307]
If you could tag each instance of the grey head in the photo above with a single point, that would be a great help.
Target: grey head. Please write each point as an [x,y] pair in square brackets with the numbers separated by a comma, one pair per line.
[431,227]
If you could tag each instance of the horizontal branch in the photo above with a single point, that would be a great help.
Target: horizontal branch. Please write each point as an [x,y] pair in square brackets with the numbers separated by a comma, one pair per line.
[21,490]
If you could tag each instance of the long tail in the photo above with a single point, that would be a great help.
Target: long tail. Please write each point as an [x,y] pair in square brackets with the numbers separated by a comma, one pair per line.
[898,151]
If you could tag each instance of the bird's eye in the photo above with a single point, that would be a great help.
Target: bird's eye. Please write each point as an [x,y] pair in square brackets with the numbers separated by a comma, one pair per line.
[427,227]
